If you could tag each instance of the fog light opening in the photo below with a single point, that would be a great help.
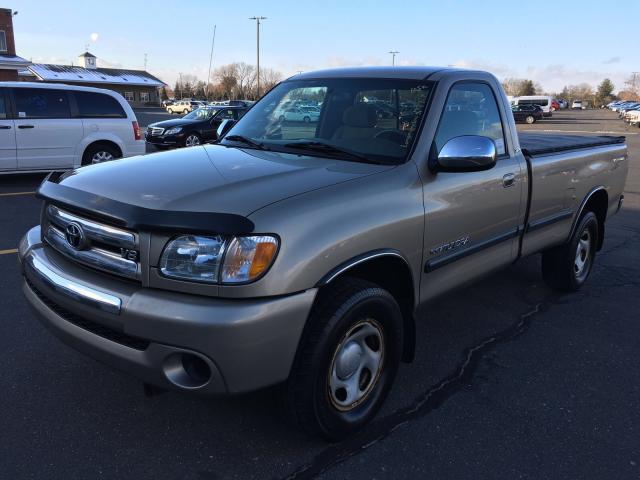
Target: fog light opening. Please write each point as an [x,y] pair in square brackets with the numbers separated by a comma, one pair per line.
[186,370]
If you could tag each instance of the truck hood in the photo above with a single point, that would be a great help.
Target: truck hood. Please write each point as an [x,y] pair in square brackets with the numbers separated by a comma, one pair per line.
[213,178]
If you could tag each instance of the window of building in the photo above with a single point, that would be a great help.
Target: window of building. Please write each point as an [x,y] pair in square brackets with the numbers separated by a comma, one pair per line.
[471,109]
[41,103]
[144,96]
[128,96]
[3,108]
[98,105]
[3,41]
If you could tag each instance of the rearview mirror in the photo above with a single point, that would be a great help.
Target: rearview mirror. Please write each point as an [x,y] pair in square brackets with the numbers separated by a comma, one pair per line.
[468,153]
[224,127]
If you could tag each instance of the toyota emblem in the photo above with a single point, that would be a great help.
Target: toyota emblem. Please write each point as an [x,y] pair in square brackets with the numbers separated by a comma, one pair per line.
[75,236]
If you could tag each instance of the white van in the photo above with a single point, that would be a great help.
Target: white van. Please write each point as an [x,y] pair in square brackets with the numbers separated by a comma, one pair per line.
[544,101]
[47,127]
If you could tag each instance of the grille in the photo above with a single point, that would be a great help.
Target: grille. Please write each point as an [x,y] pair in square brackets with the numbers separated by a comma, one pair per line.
[91,243]
[155,131]
[89,325]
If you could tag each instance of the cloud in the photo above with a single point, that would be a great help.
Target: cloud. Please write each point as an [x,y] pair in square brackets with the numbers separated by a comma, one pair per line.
[94,37]
[611,60]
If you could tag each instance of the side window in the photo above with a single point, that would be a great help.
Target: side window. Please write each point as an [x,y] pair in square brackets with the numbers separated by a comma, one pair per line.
[3,106]
[225,114]
[471,109]
[41,103]
[98,105]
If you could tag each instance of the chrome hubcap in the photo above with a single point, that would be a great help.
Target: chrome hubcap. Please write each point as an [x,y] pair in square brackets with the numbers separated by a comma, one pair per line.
[192,140]
[356,365]
[583,255]
[102,156]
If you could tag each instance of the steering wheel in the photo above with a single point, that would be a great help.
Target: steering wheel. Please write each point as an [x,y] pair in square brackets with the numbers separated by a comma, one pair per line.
[391,135]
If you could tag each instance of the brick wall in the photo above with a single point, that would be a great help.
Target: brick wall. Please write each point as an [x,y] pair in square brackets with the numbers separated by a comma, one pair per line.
[8,75]
[6,24]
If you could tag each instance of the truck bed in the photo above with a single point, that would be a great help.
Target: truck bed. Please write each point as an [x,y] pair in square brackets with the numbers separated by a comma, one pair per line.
[543,143]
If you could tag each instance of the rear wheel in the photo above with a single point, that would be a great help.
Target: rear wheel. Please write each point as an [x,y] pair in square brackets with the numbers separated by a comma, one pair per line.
[530,119]
[568,266]
[347,359]
[99,153]
[306,120]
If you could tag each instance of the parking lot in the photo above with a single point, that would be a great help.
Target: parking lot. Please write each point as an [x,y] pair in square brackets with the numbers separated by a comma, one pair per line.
[510,380]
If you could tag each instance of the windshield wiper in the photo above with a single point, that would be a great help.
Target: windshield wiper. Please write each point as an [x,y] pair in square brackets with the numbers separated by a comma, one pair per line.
[246,141]
[328,149]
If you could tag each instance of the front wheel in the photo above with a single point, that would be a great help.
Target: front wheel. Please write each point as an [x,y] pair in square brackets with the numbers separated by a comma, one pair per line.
[568,266]
[347,359]
[192,140]
[306,120]
[530,119]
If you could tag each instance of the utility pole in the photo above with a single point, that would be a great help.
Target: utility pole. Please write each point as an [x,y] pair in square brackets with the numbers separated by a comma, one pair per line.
[257,19]
[213,41]
[393,57]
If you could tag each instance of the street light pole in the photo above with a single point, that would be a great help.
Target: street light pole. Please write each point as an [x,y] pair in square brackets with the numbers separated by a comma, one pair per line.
[393,57]
[213,41]
[257,19]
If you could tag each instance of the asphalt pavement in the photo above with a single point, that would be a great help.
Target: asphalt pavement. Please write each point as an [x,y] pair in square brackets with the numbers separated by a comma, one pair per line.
[511,380]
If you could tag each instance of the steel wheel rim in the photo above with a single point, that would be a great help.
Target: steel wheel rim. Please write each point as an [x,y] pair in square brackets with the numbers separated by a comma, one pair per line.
[101,156]
[192,141]
[356,365]
[582,261]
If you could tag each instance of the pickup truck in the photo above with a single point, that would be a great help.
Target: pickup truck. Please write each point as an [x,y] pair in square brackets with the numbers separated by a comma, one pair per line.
[303,255]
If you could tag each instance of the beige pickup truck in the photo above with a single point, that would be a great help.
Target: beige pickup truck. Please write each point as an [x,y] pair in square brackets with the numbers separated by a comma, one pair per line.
[303,254]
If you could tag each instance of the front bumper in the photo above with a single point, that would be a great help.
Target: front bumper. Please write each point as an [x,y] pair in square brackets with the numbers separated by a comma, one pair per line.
[165,141]
[155,334]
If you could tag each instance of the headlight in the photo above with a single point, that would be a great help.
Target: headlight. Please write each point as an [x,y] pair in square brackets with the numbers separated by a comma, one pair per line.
[173,130]
[199,258]
[192,258]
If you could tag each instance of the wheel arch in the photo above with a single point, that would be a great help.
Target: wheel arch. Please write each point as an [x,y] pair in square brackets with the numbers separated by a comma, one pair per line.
[596,201]
[390,270]
[95,143]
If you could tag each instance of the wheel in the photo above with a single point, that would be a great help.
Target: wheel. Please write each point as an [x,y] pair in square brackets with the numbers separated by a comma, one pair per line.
[281,118]
[568,266]
[185,111]
[99,153]
[192,140]
[530,119]
[306,120]
[347,359]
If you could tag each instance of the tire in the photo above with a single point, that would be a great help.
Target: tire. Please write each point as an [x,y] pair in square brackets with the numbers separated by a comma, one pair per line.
[355,327]
[306,120]
[530,119]
[567,267]
[185,111]
[192,139]
[281,118]
[99,153]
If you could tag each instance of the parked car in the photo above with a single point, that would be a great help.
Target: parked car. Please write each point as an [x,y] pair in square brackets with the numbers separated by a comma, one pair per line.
[199,126]
[544,101]
[526,113]
[306,261]
[184,106]
[577,105]
[298,114]
[47,127]
[555,105]
[563,103]
[166,103]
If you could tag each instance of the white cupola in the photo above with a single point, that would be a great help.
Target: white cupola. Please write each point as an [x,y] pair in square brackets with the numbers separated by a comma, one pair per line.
[87,60]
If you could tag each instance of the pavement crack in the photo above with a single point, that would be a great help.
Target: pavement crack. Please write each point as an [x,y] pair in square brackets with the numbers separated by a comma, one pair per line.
[423,404]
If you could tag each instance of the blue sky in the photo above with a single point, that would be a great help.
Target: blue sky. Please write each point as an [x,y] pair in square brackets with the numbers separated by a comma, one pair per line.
[554,42]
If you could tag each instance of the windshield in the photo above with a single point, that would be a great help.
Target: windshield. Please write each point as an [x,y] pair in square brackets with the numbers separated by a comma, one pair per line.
[202,113]
[366,119]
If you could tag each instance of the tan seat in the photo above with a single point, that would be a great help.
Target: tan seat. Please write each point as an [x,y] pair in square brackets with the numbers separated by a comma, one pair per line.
[358,121]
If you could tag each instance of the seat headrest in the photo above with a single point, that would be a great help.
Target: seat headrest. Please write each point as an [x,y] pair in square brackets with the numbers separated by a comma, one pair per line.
[360,115]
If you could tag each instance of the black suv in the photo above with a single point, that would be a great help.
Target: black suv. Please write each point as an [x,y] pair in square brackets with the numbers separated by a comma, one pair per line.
[199,126]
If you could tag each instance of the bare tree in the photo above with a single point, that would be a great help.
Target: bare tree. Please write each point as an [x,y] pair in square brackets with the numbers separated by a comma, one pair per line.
[227,76]
[246,77]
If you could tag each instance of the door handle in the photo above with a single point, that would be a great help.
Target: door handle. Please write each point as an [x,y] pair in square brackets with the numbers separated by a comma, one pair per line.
[509,180]
[25,126]
[5,127]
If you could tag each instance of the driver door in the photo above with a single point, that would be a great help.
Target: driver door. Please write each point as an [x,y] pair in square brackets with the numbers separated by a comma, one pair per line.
[472,220]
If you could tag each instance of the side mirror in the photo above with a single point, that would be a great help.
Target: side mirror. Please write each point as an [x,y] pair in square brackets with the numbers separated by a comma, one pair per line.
[468,153]
[224,127]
